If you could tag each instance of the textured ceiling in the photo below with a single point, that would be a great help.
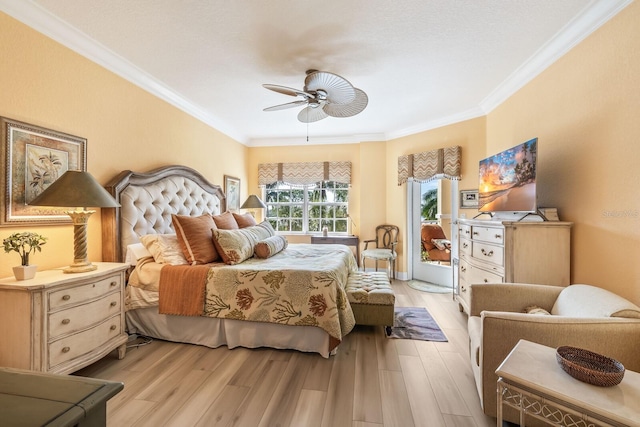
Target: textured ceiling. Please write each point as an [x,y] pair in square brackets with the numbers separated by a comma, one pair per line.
[423,63]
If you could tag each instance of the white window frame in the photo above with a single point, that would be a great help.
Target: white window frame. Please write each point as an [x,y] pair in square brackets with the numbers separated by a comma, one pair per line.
[306,206]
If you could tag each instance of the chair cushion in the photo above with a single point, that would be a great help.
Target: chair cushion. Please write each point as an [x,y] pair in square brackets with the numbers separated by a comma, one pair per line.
[591,301]
[381,254]
[369,288]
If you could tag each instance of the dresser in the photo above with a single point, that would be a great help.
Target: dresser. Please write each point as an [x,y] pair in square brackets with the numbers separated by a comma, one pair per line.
[59,323]
[511,252]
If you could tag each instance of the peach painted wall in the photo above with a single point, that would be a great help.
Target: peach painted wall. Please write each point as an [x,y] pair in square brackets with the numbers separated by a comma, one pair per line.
[585,109]
[469,135]
[46,84]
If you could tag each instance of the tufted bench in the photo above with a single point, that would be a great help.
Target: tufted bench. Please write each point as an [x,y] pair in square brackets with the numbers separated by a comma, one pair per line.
[371,297]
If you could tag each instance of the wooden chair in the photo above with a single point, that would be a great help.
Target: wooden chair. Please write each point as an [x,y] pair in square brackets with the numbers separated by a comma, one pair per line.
[385,248]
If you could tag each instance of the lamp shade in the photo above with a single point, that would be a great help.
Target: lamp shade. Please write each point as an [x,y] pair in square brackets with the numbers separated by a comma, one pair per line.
[75,189]
[253,202]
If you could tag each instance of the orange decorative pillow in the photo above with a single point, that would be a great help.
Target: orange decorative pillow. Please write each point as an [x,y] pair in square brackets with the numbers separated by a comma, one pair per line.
[270,246]
[225,221]
[194,235]
[244,220]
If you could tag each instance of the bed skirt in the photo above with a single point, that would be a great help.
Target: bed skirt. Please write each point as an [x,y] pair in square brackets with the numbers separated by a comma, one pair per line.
[214,332]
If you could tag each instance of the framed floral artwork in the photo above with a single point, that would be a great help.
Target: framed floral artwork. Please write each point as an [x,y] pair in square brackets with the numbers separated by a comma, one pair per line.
[33,158]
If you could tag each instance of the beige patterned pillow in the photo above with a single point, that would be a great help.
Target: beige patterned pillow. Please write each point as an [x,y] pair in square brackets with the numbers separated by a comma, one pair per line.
[235,246]
[164,248]
[270,246]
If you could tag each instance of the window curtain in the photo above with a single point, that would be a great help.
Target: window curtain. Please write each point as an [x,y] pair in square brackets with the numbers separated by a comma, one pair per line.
[304,173]
[430,165]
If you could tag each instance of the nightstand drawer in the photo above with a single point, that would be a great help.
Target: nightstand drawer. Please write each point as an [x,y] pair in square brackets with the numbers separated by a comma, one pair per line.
[76,318]
[79,294]
[478,275]
[84,342]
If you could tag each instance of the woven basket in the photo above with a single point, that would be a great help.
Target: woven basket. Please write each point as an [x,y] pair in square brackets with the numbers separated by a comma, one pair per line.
[590,367]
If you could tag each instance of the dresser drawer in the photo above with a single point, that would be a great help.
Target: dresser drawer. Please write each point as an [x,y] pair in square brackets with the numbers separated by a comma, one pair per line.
[464,270]
[488,234]
[76,345]
[478,275]
[465,247]
[464,292]
[76,318]
[465,231]
[488,253]
[79,294]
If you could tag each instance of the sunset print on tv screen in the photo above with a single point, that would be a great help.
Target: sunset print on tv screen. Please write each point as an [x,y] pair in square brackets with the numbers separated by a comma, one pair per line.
[508,180]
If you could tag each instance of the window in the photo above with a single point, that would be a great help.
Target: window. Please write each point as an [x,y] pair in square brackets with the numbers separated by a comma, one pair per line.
[308,208]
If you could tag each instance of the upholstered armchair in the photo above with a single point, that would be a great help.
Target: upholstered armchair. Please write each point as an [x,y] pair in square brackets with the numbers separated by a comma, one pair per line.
[385,248]
[435,242]
[581,316]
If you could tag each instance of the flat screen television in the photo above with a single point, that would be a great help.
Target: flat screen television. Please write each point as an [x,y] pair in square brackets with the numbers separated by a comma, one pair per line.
[508,180]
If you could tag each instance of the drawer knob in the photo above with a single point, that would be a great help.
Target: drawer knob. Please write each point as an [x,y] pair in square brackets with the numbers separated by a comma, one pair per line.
[113,304]
[463,269]
[66,321]
[66,297]
[113,283]
[464,289]
[475,233]
[113,327]
[466,232]
[485,253]
[498,236]
[66,350]
[464,245]
[486,281]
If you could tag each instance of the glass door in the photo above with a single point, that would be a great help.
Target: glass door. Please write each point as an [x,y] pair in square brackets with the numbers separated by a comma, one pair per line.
[431,207]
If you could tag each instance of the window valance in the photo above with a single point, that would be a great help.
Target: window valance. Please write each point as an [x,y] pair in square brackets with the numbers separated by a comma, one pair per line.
[429,165]
[304,173]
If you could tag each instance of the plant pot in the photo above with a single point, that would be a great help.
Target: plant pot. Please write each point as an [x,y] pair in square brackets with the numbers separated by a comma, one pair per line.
[25,272]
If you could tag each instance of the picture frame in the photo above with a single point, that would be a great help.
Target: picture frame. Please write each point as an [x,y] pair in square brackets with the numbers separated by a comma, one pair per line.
[33,157]
[469,199]
[232,192]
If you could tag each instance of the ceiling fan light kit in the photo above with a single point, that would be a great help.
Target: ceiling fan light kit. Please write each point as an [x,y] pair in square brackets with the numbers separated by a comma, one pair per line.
[325,95]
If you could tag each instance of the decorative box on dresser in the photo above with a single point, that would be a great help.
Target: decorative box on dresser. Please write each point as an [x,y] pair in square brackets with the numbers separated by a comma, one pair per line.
[59,322]
[491,251]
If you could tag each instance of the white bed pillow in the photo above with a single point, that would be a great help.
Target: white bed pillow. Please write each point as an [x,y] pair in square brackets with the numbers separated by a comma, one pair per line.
[135,252]
[164,248]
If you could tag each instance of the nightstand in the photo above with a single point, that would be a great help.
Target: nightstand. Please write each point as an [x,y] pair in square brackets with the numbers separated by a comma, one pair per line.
[59,322]
[340,240]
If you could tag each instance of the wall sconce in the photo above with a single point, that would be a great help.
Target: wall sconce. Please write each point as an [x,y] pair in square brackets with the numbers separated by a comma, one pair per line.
[77,190]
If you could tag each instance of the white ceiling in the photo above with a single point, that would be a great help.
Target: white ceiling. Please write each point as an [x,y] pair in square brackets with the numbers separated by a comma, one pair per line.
[423,63]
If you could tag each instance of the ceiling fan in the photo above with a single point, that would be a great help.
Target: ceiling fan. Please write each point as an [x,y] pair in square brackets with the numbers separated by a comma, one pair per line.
[325,94]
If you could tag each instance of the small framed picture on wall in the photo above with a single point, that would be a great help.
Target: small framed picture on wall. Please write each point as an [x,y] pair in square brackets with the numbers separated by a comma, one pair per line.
[469,199]
[232,191]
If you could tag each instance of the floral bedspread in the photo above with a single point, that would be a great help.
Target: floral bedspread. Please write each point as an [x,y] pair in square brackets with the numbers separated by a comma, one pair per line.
[302,285]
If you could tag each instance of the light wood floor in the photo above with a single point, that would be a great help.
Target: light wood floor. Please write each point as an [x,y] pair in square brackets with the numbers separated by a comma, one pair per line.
[372,381]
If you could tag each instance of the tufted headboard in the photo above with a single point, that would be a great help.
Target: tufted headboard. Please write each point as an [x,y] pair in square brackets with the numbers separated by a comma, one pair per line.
[147,201]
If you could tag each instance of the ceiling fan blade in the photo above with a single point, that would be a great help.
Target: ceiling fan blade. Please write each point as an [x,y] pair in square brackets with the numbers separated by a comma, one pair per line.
[338,89]
[348,110]
[288,91]
[311,114]
[285,106]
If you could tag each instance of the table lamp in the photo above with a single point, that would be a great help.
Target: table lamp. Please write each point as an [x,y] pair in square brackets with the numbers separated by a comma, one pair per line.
[253,202]
[77,190]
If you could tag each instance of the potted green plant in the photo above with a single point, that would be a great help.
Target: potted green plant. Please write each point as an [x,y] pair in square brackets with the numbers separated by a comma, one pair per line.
[25,244]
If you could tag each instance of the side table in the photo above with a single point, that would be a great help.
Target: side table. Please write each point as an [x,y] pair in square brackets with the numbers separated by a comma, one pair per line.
[30,398]
[340,240]
[532,381]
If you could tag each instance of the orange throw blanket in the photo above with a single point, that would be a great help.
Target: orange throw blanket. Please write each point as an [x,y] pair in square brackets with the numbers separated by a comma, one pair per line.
[182,289]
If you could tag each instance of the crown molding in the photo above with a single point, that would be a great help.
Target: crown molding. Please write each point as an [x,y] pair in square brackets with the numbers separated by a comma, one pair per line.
[469,114]
[41,20]
[579,28]
[292,141]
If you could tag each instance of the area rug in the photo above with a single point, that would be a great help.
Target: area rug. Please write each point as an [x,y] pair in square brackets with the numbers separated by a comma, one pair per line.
[428,287]
[415,323]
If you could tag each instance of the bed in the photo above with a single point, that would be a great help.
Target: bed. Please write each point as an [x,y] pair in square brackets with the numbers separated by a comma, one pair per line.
[293,299]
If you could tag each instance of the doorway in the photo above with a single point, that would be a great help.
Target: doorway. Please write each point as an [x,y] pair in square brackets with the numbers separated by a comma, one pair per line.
[434,206]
